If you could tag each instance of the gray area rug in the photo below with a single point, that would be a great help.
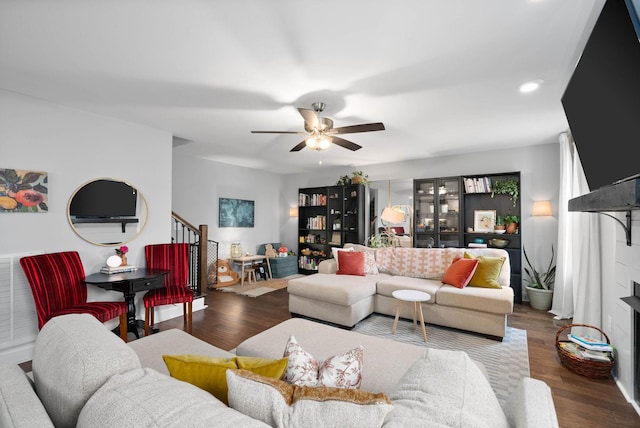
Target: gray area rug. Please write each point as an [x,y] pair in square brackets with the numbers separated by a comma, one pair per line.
[506,362]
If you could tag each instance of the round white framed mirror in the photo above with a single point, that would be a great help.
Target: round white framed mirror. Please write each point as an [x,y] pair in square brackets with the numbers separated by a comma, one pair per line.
[107,212]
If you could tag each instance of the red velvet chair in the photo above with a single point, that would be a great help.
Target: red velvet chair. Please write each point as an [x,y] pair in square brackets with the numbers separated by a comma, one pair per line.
[58,288]
[175,259]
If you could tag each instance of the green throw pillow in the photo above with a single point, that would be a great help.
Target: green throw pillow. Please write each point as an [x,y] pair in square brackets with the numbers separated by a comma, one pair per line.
[487,272]
[209,373]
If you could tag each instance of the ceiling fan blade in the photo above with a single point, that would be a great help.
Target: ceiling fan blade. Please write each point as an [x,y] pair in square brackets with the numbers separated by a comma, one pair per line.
[299,146]
[279,132]
[310,118]
[365,127]
[345,143]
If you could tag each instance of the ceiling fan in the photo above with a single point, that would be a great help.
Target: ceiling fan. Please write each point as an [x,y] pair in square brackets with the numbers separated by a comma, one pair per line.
[321,132]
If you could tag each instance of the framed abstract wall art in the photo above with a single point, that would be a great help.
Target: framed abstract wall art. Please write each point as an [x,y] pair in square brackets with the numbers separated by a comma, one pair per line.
[235,213]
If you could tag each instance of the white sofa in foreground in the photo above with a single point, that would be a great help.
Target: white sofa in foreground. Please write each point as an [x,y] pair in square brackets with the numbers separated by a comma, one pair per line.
[347,299]
[85,376]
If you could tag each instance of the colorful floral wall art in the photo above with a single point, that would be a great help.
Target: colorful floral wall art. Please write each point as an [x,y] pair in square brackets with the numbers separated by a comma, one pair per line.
[23,191]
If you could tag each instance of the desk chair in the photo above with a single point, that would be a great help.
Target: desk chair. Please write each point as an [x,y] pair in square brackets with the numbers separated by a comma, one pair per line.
[175,259]
[58,288]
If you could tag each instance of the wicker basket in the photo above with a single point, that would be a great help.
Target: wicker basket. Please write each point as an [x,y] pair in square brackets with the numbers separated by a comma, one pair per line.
[584,367]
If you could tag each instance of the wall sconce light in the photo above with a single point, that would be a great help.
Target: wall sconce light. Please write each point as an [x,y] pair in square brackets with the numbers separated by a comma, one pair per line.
[541,208]
[293,212]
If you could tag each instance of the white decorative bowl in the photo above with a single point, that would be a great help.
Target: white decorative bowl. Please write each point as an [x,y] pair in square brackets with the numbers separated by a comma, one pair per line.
[499,232]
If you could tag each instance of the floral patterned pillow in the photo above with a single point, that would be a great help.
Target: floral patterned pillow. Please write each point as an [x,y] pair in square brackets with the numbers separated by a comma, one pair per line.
[339,371]
[370,266]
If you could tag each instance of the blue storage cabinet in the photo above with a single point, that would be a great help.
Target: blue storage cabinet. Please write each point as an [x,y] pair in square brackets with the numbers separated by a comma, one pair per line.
[280,266]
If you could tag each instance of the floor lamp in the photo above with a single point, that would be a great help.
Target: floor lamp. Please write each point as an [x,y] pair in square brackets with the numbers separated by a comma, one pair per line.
[390,215]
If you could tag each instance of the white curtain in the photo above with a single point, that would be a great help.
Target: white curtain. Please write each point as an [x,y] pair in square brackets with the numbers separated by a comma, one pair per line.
[578,268]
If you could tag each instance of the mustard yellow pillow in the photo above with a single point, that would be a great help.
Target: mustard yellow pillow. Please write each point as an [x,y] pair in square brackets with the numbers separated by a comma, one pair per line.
[209,373]
[487,272]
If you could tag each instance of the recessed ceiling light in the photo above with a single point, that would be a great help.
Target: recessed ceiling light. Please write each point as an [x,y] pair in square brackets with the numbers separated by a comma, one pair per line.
[532,86]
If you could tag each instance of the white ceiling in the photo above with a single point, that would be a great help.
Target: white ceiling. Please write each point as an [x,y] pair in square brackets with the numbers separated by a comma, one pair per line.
[442,75]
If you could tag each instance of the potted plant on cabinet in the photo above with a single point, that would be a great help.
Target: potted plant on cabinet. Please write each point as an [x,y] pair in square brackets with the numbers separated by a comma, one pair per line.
[499,224]
[509,187]
[540,284]
[358,177]
[511,222]
[343,180]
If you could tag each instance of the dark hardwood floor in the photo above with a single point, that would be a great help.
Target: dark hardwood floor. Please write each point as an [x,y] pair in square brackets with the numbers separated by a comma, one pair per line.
[580,401]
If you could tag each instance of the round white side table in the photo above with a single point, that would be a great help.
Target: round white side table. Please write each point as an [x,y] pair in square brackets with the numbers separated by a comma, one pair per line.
[417,297]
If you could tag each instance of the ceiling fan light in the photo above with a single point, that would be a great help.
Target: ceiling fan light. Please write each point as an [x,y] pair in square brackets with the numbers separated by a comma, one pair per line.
[316,142]
[312,142]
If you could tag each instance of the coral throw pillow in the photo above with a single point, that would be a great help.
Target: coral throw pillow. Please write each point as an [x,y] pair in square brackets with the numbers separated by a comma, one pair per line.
[339,371]
[350,263]
[460,272]
[487,272]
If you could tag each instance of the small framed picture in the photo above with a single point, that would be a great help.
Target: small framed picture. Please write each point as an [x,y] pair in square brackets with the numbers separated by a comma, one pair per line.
[484,220]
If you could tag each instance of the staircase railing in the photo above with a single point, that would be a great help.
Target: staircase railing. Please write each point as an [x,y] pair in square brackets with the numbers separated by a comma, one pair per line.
[202,250]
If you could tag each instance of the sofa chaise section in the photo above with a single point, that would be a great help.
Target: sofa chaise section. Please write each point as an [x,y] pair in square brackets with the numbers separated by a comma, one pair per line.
[339,299]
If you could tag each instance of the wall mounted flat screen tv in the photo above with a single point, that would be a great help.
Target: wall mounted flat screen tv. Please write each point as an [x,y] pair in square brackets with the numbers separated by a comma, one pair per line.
[602,99]
[104,199]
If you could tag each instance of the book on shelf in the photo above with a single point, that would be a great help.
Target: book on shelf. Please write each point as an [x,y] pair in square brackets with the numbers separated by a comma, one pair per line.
[118,269]
[469,185]
[477,185]
[589,342]
[476,245]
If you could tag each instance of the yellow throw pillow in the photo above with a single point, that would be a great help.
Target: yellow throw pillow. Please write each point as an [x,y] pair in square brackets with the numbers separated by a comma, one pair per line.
[209,373]
[487,272]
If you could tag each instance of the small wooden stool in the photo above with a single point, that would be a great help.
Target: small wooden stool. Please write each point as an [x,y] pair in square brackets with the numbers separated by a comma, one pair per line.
[417,297]
[250,274]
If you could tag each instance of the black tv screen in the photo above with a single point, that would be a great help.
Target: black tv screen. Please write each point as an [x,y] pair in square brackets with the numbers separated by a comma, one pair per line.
[104,199]
[602,99]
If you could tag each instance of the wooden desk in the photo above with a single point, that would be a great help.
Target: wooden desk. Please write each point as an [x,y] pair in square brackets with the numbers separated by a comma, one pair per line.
[129,283]
[244,259]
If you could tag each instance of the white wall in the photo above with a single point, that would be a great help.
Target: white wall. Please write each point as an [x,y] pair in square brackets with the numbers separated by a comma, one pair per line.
[74,147]
[198,183]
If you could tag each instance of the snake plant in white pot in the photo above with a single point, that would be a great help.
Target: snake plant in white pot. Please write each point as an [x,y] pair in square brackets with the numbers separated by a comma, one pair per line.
[540,283]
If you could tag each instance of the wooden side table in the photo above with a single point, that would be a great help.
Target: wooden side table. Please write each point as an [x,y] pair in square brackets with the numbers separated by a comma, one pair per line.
[130,283]
[417,297]
[244,259]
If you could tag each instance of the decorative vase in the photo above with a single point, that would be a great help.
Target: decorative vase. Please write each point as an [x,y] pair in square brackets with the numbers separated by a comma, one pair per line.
[124,260]
[540,298]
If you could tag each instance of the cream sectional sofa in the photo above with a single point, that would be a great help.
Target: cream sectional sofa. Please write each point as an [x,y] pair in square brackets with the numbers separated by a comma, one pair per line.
[347,299]
[85,376]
